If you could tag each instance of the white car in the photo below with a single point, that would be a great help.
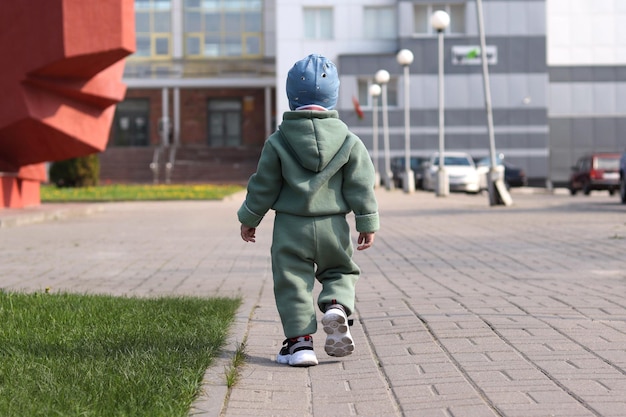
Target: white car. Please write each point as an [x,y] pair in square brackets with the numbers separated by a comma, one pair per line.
[460,169]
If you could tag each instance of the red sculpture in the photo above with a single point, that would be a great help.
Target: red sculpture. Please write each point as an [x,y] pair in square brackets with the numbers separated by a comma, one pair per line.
[60,78]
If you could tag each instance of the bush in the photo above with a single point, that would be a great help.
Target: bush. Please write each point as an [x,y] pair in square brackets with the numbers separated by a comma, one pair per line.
[76,172]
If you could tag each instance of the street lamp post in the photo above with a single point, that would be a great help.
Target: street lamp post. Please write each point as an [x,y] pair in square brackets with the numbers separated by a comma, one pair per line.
[382,77]
[498,194]
[440,21]
[375,91]
[405,58]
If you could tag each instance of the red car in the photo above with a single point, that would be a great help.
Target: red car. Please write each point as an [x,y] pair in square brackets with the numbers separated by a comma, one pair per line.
[598,171]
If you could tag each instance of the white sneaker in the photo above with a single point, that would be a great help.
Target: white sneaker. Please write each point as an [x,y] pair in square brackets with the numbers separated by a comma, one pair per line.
[297,352]
[339,341]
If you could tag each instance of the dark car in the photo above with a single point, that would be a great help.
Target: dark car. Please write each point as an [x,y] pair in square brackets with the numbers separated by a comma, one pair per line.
[598,171]
[417,166]
[514,176]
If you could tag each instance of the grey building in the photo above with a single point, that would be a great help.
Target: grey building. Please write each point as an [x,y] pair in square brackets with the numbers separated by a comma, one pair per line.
[557,79]
[516,50]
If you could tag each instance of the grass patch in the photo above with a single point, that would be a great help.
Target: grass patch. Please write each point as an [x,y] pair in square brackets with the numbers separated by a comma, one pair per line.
[232,372]
[82,355]
[137,192]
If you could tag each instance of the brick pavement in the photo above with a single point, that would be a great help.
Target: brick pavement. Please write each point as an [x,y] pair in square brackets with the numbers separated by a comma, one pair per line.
[463,309]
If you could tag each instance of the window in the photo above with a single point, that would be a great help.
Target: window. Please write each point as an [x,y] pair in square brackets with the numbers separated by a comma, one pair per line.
[379,23]
[423,12]
[252,45]
[153,27]
[224,116]
[193,45]
[365,99]
[318,23]
[364,93]
[131,123]
[223,28]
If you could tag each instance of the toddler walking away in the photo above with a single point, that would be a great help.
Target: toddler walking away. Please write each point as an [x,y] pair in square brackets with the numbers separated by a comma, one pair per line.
[312,172]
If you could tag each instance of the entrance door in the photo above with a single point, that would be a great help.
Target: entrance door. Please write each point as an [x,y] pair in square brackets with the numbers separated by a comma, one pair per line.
[224,122]
[131,123]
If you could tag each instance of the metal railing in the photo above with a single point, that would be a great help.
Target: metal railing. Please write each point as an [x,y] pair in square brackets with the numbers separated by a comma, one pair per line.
[155,165]
[169,165]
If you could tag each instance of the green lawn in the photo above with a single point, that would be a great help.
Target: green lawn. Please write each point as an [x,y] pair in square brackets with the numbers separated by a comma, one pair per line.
[137,192]
[88,355]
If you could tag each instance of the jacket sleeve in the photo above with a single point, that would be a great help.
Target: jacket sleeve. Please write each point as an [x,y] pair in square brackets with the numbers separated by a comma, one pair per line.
[263,188]
[358,188]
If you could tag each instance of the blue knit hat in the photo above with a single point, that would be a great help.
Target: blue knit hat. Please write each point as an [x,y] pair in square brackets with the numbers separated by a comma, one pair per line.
[313,80]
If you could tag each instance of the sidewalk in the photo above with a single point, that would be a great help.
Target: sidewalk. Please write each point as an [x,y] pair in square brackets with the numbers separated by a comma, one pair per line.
[463,309]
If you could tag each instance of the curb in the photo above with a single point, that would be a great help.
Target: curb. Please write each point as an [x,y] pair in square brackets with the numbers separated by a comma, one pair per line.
[45,213]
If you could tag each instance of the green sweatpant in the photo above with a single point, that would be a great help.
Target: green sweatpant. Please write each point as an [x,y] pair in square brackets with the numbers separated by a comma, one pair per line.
[305,249]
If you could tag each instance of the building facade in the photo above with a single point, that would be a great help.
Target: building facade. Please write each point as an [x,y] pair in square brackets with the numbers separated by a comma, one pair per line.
[516,48]
[209,76]
[201,90]
[587,68]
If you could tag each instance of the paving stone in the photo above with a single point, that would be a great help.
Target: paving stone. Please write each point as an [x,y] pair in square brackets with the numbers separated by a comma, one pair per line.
[463,309]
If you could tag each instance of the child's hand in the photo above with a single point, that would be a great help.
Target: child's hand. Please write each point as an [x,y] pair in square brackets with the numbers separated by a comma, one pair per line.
[366,240]
[248,233]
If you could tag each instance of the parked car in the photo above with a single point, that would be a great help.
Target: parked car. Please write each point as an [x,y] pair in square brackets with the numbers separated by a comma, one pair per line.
[598,171]
[417,166]
[461,171]
[513,176]
[622,178]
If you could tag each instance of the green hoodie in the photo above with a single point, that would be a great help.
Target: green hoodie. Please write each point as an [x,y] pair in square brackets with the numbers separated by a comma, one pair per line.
[313,166]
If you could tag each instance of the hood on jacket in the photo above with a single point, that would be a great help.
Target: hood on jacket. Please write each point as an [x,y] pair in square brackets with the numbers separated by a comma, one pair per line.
[314,137]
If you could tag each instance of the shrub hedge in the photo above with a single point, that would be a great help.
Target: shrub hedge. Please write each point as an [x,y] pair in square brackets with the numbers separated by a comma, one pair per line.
[76,172]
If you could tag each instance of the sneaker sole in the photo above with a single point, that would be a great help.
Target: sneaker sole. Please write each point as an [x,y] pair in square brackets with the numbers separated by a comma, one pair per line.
[303,358]
[339,341]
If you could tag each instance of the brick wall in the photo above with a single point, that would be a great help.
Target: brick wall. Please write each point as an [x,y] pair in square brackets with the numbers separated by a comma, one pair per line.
[193,113]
